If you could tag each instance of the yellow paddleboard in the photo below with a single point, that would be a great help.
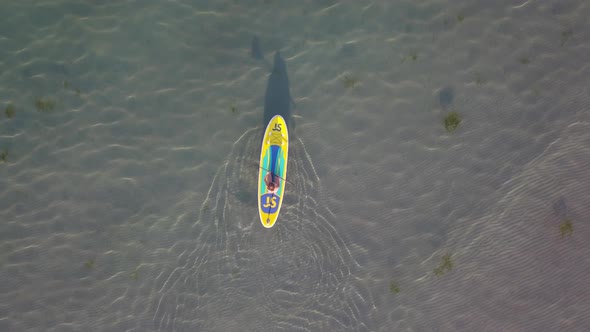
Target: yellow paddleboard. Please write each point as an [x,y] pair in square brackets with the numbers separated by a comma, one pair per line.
[273,170]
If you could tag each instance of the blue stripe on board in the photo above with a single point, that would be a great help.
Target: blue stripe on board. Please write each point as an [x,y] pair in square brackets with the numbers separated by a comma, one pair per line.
[274,154]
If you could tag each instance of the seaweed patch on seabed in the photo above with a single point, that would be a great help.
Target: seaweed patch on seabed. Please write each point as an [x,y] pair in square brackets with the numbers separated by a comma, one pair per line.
[237,275]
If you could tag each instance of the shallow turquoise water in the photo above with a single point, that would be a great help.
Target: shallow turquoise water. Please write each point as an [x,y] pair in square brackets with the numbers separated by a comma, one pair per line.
[128,174]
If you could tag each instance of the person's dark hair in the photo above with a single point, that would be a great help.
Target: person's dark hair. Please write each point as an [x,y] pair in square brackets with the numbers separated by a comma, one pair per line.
[271,186]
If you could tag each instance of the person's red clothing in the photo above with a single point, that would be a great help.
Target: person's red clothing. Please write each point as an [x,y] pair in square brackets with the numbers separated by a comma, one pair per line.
[268,180]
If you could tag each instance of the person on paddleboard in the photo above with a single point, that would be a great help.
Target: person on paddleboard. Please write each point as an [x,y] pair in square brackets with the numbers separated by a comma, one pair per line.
[272,182]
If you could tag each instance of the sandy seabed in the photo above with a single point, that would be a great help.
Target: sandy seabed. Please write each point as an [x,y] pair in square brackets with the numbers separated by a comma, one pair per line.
[129,136]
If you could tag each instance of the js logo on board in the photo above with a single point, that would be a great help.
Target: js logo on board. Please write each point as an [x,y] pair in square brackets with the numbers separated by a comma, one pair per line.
[269,203]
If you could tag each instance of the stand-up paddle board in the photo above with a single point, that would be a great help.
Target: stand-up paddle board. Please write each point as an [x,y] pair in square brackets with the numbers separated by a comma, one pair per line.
[273,170]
